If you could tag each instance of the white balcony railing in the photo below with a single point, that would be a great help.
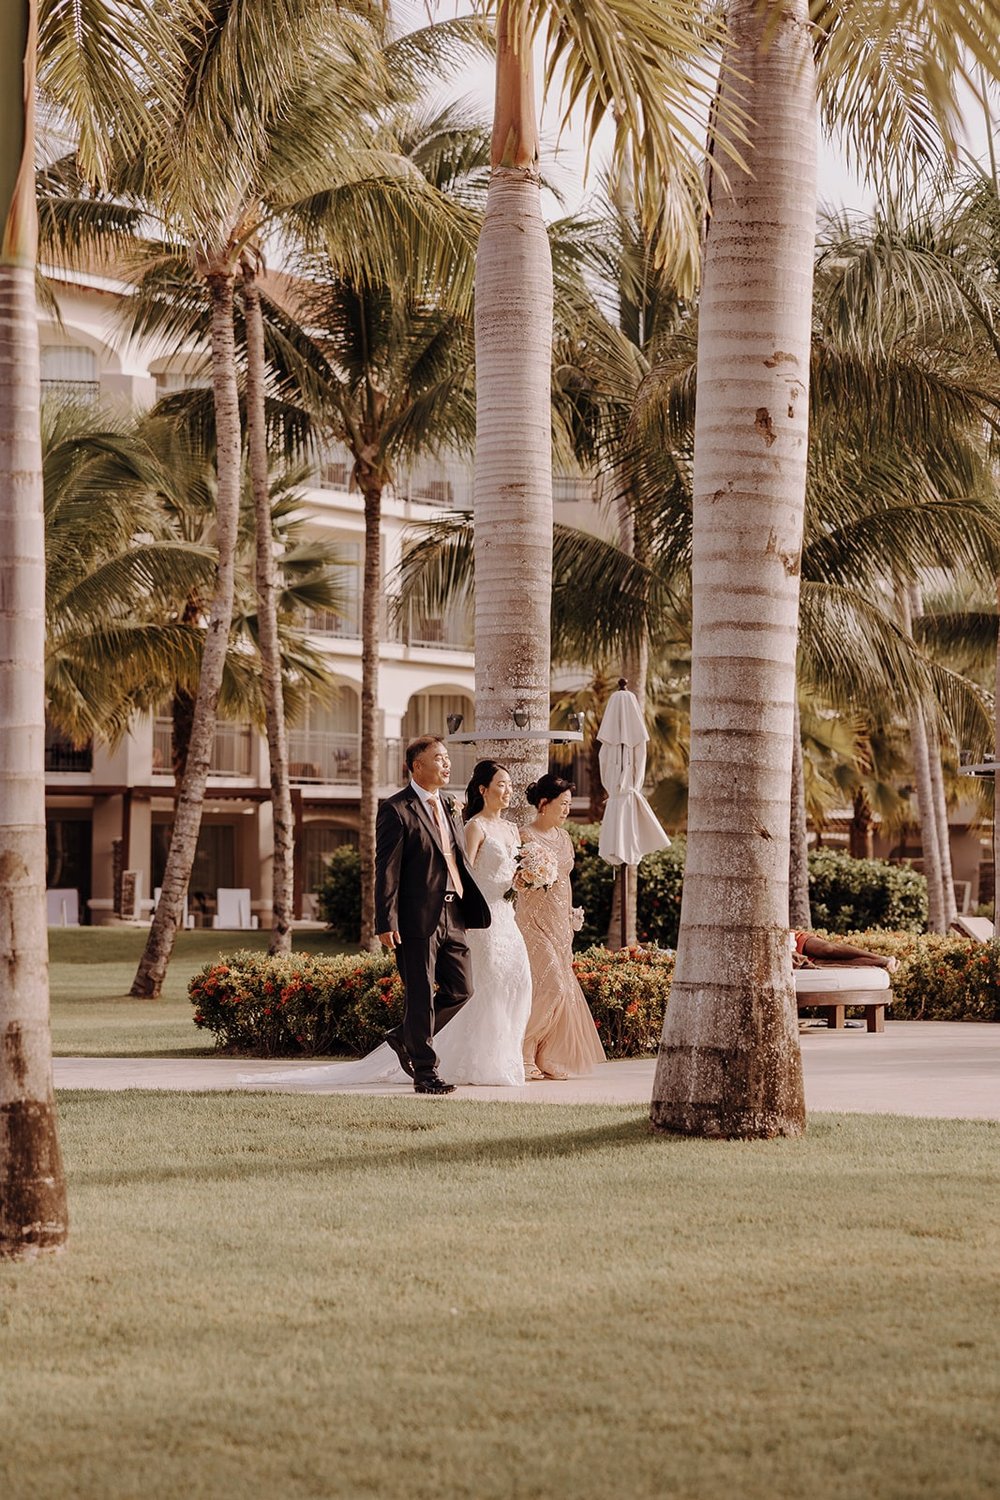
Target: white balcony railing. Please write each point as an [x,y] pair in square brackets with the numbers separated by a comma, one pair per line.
[231,750]
[324,622]
[325,758]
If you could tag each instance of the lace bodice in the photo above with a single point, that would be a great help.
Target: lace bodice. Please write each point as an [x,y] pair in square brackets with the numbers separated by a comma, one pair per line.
[494,867]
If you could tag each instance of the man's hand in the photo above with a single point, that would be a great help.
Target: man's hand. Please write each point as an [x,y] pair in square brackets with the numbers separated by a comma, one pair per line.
[389,939]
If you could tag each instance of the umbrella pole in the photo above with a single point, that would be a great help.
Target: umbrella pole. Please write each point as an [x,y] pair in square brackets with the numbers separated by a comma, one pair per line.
[623,877]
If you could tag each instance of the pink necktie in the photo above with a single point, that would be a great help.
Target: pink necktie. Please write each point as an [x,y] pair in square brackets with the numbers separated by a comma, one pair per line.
[445,837]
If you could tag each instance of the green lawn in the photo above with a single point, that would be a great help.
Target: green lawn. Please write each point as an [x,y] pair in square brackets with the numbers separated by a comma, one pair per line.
[91,969]
[297,1296]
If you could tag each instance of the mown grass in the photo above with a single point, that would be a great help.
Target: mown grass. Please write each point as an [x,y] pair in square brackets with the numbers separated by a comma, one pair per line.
[92,968]
[290,1296]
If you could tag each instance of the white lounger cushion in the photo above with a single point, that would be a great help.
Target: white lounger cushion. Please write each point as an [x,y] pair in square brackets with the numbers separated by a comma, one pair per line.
[832,981]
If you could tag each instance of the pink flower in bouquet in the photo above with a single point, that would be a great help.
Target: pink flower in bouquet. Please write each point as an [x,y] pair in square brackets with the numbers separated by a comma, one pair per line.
[535,870]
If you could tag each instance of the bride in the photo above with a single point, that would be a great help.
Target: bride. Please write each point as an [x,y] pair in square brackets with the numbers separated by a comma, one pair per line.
[482,1044]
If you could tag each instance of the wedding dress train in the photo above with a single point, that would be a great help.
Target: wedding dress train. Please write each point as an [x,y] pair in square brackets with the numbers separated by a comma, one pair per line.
[483,1043]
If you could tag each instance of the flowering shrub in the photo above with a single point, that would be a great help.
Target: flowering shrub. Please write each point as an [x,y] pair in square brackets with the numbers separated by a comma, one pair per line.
[298,1006]
[374,1003]
[627,993]
[272,1006]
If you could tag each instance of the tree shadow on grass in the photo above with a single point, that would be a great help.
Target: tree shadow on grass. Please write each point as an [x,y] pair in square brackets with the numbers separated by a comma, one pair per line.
[510,1151]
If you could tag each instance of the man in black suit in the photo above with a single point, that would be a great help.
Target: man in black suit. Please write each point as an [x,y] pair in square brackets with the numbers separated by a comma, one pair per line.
[425,898]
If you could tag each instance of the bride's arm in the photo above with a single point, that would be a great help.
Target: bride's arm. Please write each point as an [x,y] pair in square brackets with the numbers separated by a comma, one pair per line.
[473,841]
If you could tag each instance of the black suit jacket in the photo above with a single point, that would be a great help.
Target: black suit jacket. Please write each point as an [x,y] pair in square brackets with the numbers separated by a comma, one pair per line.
[411,875]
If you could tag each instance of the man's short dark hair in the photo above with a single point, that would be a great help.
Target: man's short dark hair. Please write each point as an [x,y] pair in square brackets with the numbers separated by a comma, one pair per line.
[417,747]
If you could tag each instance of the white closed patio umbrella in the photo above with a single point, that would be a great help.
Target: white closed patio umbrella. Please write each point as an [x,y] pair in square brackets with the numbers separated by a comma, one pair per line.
[629,828]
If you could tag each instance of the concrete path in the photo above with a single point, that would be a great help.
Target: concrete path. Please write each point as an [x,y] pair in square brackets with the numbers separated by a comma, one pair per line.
[937,1068]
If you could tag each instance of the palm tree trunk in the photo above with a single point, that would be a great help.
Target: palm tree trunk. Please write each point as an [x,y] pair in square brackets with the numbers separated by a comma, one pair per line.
[283,868]
[33,1210]
[862,844]
[371,614]
[149,977]
[948,903]
[799,914]
[920,755]
[729,1062]
[932,721]
[996,782]
[513,472]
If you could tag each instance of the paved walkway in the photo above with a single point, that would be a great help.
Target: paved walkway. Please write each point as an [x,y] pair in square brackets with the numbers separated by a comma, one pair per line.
[938,1068]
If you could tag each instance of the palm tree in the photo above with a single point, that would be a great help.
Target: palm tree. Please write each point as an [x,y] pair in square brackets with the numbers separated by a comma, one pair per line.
[729,1062]
[271,92]
[643,65]
[33,1213]
[126,582]
[397,383]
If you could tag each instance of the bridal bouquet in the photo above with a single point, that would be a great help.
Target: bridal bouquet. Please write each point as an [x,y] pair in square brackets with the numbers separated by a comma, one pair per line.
[534,870]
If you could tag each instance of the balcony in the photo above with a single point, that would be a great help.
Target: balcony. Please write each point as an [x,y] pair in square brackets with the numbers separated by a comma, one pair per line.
[72,392]
[323,622]
[452,631]
[231,749]
[60,755]
[324,758]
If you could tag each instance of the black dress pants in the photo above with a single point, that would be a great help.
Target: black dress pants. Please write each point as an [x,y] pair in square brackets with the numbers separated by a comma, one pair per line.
[441,960]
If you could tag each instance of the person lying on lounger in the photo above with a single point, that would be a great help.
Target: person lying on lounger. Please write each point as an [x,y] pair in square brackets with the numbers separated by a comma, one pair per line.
[812,952]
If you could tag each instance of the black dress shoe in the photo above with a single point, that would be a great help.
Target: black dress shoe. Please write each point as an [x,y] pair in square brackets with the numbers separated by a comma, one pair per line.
[433,1085]
[404,1057]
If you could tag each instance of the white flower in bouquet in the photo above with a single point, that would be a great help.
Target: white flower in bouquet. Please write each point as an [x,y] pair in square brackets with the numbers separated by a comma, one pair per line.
[534,870]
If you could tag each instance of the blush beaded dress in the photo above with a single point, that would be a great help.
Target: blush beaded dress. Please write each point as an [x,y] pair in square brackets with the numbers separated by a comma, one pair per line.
[561,1037]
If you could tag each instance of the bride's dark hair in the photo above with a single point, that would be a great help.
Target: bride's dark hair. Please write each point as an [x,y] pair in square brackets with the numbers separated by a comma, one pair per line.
[481,778]
[547,788]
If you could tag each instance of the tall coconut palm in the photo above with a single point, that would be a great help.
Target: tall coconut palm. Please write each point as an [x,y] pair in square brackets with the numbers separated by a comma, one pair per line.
[271,92]
[33,1213]
[126,582]
[641,63]
[729,1062]
[398,385]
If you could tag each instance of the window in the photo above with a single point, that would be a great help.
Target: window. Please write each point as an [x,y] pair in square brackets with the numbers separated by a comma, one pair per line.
[68,854]
[325,745]
[168,381]
[69,373]
[567,488]
[345,623]
[214,860]
[427,713]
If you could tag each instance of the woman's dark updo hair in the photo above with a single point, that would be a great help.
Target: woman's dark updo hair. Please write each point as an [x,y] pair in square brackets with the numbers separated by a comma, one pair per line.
[547,788]
[481,777]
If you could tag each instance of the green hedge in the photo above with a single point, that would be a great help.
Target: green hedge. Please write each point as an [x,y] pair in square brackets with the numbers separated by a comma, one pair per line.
[289,1006]
[339,897]
[863,894]
[627,993]
[661,878]
[844,893]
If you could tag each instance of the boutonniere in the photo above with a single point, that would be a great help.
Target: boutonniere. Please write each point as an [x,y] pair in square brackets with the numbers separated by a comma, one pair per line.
[448,803]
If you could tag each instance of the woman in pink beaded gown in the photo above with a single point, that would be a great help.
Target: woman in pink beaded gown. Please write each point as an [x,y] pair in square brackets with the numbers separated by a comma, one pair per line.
[561,1037]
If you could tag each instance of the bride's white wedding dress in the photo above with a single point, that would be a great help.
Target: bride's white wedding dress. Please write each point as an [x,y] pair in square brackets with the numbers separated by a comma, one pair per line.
[482,1044]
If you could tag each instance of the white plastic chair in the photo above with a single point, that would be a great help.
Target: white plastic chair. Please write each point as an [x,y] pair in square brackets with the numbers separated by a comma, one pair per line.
[232,908]
[62,907]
